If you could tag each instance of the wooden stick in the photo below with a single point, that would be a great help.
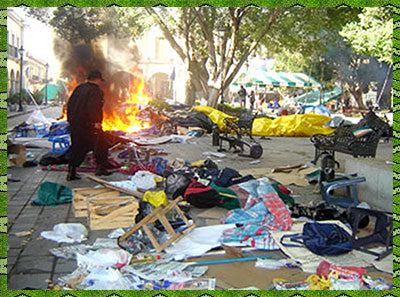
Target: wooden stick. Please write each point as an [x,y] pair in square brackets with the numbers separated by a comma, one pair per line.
[113,187]
[221,261]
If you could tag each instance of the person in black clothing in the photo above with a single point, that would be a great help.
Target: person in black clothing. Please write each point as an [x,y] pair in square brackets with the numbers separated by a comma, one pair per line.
[85,114]
[252,98]
[242,94]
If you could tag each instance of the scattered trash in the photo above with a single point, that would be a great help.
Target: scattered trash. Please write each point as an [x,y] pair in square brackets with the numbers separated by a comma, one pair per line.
[144,180]
[195,284]
[156,198]
[285,285]
[378,284]
[103,258]
[255,162]
[106,243]
[24,233]
[66,233]
[70,251]
[105,279]
[213,154]
[116,233]
[270,263]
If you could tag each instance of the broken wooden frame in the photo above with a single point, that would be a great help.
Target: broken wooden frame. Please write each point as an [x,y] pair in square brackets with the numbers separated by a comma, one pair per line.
[111,212]
[80,196]
[160,214]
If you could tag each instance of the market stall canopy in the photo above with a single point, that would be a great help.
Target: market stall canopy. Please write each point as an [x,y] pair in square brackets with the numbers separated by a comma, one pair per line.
[52,91]
[314,97]
[264,78]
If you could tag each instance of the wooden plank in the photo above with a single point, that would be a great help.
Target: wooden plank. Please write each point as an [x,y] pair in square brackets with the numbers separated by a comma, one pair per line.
[152,238]
[107,213]
[143,222]
[159,214]
[164,221]
[111,186]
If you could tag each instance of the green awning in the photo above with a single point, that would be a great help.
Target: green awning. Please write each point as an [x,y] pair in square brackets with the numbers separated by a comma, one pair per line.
[52,91]
[314,97]
[263,78]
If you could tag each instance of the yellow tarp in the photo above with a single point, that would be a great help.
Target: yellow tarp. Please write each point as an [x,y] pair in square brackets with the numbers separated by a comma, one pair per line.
[300,125]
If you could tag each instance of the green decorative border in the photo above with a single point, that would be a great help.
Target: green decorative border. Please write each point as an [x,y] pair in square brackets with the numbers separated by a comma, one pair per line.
[284,3]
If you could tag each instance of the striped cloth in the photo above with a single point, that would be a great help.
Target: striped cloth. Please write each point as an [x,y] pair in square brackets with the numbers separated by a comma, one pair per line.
[264,211]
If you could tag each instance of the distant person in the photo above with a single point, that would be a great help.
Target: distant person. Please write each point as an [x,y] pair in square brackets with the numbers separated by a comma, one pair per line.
[252,98]
[242,95]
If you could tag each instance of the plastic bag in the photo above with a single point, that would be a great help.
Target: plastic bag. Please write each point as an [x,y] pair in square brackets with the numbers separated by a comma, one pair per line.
[270,263]
[176,184]
[37,117]
[144,180]
[156,198]
[69,251]
[104,258]
[66,233]
[105,279]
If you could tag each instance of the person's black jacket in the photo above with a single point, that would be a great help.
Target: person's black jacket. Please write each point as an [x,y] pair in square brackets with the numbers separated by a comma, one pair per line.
[85,106]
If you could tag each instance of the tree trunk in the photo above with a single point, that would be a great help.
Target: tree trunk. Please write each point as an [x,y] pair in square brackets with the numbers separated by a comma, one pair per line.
[213,95]
[357,94]
[190,97]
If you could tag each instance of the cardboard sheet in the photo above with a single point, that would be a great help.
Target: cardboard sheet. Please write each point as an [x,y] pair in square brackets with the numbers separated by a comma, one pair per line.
[199,241]
[295,176]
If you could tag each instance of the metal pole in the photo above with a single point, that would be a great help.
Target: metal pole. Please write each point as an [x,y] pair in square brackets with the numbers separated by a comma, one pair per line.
[21,108]
[47,82]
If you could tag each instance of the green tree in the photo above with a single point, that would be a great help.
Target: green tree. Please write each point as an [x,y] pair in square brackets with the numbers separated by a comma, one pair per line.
[87,24]
[372,34]
[216,42]
[356,72]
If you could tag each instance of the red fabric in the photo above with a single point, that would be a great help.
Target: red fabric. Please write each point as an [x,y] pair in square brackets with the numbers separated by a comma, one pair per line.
[195,187]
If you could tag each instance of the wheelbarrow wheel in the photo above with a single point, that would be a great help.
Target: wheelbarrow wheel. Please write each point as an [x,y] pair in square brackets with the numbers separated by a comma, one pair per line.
[256,151]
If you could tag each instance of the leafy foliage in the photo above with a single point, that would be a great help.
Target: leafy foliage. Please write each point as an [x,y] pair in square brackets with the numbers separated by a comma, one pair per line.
[86,24]
[372,34]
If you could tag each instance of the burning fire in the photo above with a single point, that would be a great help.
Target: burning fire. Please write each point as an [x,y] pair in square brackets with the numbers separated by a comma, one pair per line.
[124,118]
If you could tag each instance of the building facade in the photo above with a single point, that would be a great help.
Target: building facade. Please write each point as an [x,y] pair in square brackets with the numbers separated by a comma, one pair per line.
[163,69]
[15,29]
[35,73]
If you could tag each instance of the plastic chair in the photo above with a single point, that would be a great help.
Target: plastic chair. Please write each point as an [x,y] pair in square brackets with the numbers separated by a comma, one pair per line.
[21,132]
[40,129]
[350,182]
[60,143]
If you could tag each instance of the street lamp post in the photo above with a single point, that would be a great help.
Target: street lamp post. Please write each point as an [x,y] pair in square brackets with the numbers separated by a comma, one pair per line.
[47,81]
[21,51]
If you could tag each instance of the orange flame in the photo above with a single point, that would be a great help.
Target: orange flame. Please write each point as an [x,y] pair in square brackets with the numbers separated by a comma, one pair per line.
[122,118]
[125,118]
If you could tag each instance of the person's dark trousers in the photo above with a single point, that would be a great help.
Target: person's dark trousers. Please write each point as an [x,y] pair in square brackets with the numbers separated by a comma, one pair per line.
[85,139]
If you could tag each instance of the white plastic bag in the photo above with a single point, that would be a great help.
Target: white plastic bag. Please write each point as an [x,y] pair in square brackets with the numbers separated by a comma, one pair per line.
[37,117]
[66,233]
[105,279]
[103,258]
[270,263]
[144,180]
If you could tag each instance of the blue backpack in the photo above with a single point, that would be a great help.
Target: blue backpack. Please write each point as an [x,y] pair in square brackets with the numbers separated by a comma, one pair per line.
[322,239]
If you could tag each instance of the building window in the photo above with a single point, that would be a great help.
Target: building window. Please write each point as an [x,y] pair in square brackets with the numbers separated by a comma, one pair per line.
[13,40]
[17,42]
